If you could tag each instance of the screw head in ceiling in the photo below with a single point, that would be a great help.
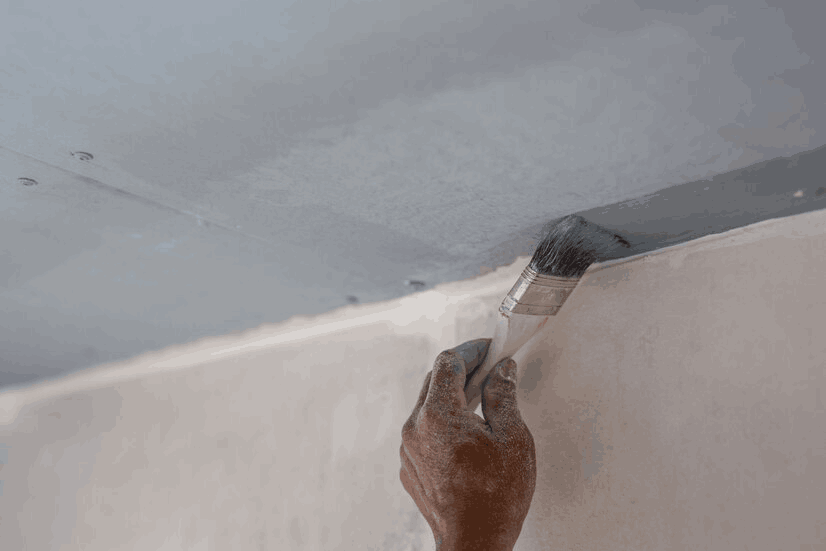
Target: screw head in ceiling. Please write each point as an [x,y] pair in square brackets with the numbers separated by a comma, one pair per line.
[82,155]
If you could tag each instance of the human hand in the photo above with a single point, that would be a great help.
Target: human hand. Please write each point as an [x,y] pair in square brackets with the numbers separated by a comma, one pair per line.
[472,479]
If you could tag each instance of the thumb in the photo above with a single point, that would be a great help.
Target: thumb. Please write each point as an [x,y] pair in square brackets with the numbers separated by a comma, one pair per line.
[499,399]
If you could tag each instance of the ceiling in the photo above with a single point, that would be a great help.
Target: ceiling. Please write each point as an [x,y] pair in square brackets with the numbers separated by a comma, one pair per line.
[201,168]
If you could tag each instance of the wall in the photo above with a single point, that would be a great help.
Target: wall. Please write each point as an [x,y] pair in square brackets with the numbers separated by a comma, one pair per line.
[676,401]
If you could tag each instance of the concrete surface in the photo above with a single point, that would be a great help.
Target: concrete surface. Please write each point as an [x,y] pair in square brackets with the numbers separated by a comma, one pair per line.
[254,161]
[677,402]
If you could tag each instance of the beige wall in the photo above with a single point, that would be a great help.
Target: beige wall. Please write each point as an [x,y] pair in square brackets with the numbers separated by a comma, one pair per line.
[677,402]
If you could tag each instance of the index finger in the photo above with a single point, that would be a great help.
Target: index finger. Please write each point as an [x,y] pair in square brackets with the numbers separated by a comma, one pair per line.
[447,384]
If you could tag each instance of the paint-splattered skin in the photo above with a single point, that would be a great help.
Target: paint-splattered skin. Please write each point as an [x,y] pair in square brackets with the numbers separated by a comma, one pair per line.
[473,479]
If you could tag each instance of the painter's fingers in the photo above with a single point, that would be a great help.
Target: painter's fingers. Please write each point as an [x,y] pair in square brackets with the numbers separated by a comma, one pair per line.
[446,395]
[499,405]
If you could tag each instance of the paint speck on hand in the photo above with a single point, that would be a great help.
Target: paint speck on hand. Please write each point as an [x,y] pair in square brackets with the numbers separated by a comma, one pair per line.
[798,193]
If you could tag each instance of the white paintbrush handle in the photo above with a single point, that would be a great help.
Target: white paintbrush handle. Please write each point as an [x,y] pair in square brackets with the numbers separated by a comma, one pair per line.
[512,331]
[526,309]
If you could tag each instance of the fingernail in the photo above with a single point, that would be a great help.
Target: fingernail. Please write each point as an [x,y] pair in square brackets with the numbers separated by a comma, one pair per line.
[507,369]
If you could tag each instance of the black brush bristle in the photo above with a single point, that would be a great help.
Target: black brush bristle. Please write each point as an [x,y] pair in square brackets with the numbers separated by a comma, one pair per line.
[570,244]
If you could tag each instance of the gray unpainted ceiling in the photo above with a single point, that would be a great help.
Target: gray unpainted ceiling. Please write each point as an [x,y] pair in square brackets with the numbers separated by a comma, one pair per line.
[254,161]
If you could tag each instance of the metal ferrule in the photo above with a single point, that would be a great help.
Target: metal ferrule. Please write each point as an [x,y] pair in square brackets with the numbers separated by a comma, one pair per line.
[538,295]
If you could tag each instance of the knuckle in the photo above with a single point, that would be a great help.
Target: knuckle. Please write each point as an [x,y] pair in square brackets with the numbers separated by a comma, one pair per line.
[427,420]
[408,429]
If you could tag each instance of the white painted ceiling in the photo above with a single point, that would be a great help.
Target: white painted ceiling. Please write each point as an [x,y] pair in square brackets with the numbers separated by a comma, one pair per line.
[253,161]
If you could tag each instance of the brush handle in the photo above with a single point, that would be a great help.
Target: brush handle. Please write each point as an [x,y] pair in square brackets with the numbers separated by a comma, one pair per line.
[512,331]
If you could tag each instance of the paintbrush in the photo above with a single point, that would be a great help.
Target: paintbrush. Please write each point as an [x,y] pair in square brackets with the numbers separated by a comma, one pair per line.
[567,247]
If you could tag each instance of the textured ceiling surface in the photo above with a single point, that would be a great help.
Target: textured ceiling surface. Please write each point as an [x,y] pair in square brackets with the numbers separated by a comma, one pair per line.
[197,169]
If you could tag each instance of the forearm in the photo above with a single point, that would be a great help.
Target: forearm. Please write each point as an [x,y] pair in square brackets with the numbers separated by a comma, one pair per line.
[473,547]
[473,542]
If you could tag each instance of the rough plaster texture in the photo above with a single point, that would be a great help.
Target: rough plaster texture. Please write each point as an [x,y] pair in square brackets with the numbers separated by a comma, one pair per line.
[344,147]
[677,402]
[259,162]
[679,399]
